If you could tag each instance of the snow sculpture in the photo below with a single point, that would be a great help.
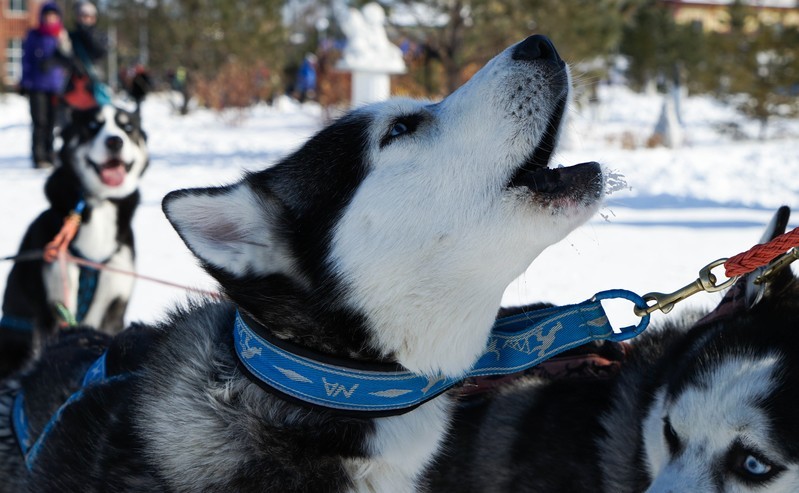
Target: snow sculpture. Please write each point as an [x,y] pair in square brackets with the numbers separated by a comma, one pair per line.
[668,130]
[369,55]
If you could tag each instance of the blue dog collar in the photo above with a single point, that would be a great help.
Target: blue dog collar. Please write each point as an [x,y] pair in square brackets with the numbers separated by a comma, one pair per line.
[515,344]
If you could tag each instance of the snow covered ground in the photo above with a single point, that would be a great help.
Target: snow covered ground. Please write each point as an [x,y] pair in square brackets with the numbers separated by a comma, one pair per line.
[680,209]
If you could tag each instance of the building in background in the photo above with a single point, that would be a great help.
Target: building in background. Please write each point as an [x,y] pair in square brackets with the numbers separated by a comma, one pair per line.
[713,15]
[16,17]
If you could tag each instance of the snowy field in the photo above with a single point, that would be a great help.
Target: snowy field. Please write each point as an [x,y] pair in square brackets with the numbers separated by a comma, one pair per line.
[680,209]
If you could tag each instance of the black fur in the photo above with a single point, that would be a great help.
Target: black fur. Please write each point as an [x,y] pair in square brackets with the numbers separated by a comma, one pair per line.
[313,188]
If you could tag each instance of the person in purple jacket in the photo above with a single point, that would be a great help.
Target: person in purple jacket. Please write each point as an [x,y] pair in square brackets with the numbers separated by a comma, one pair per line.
[46,51]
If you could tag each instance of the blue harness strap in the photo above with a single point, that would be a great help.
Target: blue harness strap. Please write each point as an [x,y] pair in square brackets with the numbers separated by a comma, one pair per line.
[96,374]
[87,287]
[19,423]
[11,322]
[516,343]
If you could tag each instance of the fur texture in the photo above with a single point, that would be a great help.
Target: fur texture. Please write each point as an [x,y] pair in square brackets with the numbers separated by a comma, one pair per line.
[103,157]
[388,237]
[704,407]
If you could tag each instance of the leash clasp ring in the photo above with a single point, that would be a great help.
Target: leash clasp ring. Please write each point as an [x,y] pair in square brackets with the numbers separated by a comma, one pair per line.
[707,281]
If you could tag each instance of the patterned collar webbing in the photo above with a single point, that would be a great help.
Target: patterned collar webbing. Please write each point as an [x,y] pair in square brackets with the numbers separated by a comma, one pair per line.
[516,343]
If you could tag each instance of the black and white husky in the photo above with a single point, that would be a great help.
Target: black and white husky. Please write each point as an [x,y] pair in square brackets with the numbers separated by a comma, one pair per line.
[102,158]
[387,239]
[704,406]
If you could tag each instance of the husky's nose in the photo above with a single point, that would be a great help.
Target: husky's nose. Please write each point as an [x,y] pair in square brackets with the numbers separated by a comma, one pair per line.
[113,143]
[536,47]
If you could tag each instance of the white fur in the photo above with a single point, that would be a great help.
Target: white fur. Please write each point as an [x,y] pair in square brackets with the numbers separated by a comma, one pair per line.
[96,240]
[432,281]
[61,284]
[233,230]
[401,449]
[111,286]
[708,418]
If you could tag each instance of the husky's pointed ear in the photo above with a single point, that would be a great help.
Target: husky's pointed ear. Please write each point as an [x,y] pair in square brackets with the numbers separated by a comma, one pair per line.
[231,228]
[756,292]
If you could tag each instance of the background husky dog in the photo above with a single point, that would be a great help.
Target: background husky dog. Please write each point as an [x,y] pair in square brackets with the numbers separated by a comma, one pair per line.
[710,409]
[389,237]
[102,158]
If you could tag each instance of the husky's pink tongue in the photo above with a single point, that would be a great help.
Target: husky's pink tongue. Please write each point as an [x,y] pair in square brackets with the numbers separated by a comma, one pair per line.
[113,174]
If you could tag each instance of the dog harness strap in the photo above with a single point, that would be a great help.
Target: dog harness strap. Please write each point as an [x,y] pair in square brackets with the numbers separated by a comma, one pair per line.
[11,322]
[516,343]
[96,374]
[87,287]
[19,422]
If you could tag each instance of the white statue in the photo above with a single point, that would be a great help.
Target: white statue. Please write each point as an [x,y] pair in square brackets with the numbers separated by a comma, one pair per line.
[368,48]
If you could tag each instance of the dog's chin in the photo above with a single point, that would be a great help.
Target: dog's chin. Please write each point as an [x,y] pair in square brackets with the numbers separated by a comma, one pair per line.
[560,188]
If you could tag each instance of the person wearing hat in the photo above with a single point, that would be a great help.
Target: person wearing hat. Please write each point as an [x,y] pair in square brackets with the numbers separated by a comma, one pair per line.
[46,52]
[85,35]
[85,88]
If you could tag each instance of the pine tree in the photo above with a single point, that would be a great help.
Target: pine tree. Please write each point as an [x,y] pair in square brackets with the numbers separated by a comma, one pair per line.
[756,66]
[203,37]
[582,30]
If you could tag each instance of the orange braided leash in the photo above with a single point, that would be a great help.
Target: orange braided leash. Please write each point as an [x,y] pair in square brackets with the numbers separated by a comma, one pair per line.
[761,255]
[60,243]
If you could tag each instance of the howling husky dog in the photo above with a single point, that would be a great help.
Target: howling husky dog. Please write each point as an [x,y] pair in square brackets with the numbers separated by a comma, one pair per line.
[710,409]
[387,239]
[102,159]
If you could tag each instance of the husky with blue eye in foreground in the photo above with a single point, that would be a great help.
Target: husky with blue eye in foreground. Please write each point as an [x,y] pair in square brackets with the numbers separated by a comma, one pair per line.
[386,240]
[707,406]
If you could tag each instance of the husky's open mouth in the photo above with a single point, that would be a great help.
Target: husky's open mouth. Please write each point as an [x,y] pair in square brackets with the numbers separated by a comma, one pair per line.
[582,180]
[112,172]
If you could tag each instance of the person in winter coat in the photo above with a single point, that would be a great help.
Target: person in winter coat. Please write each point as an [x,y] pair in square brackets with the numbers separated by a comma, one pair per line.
[46,51]
[85,88]
[306,78]
[85,37]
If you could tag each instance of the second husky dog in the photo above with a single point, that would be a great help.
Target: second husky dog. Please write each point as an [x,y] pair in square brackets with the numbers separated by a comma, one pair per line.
[101,163]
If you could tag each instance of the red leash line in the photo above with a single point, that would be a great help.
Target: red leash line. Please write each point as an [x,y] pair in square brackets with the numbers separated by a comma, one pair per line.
[95,265]
[761,255]
[66,256]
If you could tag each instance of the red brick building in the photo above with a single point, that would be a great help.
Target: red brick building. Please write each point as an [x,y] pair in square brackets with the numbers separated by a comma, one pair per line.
[16,17]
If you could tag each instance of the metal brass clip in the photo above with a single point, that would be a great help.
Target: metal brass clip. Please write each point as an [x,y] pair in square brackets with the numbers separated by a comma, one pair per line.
[706,282]
[778,264]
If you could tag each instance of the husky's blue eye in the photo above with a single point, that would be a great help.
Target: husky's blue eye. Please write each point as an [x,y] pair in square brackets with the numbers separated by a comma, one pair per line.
[751,466]
[402,126]
[754,466]
[398,129]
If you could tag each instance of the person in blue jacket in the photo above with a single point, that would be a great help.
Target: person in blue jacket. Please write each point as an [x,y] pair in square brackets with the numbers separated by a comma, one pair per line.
[306,78]
[46,51]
